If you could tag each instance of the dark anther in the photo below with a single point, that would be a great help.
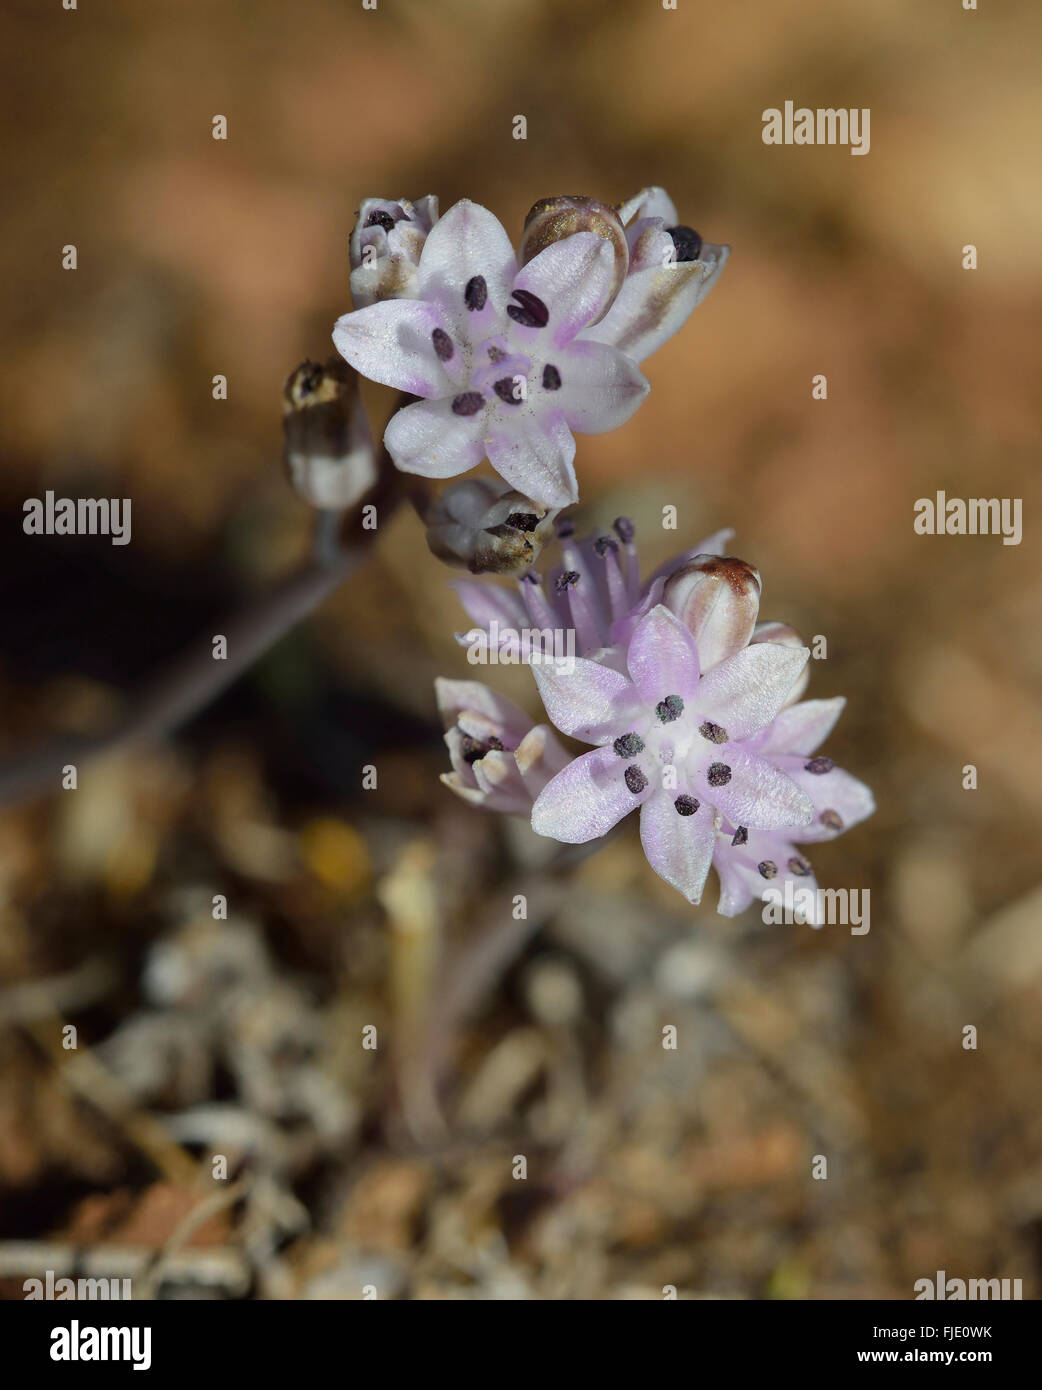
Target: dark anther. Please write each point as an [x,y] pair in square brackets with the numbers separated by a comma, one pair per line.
[603,544]
[523,521]
[687,242]
[568,580]
[624,529]
[504,389]
[819,765]
[741,836]
[768,868]
[380,219]
[551,378]
[635,779]
[832,819]
[686,805]
[495,743]
[475,293]
[442,344]
[469,403]
[473,749]
[629,745]
[672,707]
[719,775]
[712,732]
[799,866]
[530,311]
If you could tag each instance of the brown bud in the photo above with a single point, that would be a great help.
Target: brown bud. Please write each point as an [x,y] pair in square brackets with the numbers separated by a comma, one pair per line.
[552,219]
[328,449]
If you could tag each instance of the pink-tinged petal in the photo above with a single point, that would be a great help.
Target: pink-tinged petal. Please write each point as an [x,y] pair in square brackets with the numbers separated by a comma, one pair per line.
[573,278]
[737,890]
[840,800]
[589,701]
[654,303]
[755,793]
[534,455]
[786,636]
[769,867]
[455,782]
[485,603]
[745,692]
[539,756]
[391,342]
[600,388]
[712,545]
[800,728]
[428,438]
[679,848]
[662,658]
[457,699]
[649,202]
[717,598]
[469,240]
[586,800]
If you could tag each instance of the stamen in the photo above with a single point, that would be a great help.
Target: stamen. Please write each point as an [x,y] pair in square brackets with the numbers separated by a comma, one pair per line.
[819,766]
[531,311]
[551,378]
[687,242]
[799,866]
[603,544]
[472,749]
[624,529]
[719,775]
[523,521]
[741,836]
[832,819]
[504,389]
[629,745]
[566,581]
[713,732]
[686,805]
[467,403]
[495,743]
[380,219]
[442,344]
[767,868]
[672,707]
[475,293]
[635,779]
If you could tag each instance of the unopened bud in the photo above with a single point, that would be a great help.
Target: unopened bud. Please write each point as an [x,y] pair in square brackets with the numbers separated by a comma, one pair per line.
[328,449]
[477,525]
[552,219]
[386,244]
[717,597]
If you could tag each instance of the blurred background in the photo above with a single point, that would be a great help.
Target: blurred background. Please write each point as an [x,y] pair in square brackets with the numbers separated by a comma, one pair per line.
[390,909]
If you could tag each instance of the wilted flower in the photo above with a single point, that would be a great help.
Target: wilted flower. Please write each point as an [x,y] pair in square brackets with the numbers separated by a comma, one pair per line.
[385,247]
[488,528]
[508,362]
[328,449]
[499,760]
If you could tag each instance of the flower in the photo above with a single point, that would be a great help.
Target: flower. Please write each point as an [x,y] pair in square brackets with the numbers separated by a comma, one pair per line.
[486,527]
[499,760]
[385,247]
[508,362]
[595,591]
[674,742]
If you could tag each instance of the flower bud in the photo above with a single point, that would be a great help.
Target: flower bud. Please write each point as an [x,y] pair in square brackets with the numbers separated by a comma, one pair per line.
[386,244]
[477,525]
[328,450]
[717,597]
[552,219]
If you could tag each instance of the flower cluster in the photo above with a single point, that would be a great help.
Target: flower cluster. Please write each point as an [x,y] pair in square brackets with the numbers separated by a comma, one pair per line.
[508,354]
[692,708]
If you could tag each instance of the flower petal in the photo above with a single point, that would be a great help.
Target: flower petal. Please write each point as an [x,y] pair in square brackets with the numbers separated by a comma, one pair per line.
[390,342]
[457,699]
[484,603]
[535,455]
[649,202]
[600,387]
[835,791]
[428,438]
[679,848]
[469,240]
[756,794]
[585,800]
[801,728]
[655,302]
[582,698]
[662,658]
[747,690]
[573,277]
